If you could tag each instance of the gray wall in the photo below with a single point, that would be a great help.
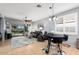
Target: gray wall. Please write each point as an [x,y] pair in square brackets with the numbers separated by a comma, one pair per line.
[49,26]
[13,21]
[0,25]
[2,28]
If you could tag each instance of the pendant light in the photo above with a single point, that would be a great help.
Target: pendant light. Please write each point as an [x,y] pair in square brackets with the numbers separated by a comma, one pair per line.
[52,17]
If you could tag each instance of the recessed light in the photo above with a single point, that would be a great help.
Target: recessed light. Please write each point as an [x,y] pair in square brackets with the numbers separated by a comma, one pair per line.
[50,7]
[39,6]
[26,17]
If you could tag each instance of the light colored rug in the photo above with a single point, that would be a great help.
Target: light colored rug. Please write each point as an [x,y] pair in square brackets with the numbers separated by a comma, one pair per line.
[21,41]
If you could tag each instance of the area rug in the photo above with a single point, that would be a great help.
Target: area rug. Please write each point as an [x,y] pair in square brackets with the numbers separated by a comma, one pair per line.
[21,41]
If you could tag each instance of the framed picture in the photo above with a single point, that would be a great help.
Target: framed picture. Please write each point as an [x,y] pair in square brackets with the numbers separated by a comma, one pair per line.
[40,26]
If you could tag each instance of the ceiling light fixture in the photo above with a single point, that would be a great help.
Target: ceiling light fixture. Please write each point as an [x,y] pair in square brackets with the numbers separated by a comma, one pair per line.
[52,17]
[39,6]
[26,17]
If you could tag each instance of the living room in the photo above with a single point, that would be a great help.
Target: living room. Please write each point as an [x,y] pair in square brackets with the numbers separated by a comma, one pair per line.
[25,28]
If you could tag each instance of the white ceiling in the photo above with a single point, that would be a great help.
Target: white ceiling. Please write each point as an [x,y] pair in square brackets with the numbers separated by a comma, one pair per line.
[21,10]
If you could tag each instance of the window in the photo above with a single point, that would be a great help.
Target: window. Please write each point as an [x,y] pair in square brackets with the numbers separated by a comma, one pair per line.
[66,24]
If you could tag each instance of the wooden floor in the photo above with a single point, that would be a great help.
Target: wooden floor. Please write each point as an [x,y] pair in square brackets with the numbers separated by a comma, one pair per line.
[32,49]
